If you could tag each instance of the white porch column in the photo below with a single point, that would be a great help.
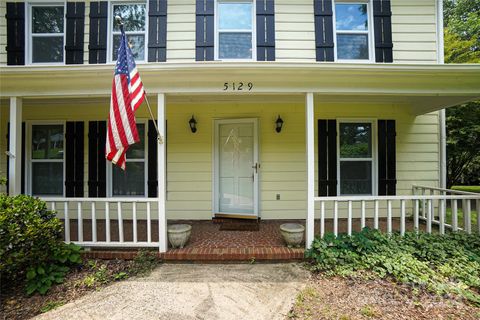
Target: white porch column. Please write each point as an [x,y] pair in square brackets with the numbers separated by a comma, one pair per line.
[310,144]
[15,147]
[161,158]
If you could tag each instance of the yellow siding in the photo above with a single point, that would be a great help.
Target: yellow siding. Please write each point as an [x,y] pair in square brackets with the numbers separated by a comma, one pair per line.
[181,30]
[294,30]
[282,158]
[3,32]
[414,31]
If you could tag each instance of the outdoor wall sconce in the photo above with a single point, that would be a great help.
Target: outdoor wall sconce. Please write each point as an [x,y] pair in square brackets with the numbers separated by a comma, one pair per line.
[193,124]
[278,124]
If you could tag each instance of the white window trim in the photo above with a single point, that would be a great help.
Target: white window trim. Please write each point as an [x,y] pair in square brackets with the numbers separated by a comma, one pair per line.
[253,30]
[29,34]
[28,156]
[374,157]
[110,32]
[371,34]
[110,165]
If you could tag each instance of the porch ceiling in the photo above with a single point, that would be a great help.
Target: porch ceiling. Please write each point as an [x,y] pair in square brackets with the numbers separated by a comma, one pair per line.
[421,88]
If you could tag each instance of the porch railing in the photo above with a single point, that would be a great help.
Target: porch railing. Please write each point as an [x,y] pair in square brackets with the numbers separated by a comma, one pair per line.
[414,209]
[86,217]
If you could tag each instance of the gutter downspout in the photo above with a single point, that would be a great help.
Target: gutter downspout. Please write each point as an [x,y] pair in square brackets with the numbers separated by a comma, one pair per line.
[442,118]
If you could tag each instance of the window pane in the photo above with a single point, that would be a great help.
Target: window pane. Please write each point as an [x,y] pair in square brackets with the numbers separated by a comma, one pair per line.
[355,177]
[47,49]
[133,17]
[47,142]
[235,45]
[137,151]
[235,16]
[355,140]
[130,182]
[351,16]
[352,46]
[136,42]
[47,19]
[47,178]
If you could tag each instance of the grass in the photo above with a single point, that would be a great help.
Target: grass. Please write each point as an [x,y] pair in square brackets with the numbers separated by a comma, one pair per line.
[475,189]
[461,223]
[51,305]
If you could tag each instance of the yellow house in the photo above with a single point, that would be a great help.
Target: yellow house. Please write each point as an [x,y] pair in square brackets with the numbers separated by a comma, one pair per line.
[271,109]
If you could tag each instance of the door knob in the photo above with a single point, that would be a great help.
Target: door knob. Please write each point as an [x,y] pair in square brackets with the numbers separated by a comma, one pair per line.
[256,166]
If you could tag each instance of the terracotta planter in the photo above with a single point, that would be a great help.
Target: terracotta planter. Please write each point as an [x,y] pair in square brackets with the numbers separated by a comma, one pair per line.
[178,234]
[292,234]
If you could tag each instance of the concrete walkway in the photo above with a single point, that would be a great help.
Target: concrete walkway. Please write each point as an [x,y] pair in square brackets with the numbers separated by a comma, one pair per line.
[180,291]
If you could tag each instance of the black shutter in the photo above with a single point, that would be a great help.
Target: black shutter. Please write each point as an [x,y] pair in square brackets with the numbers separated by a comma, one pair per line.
[387,166]
[74,159]
[15,33]
[157,31]
[382,24]
[22,182]
[265,30]
[152,160]
[97,182]
[97,48]
[205,10]
[327,157]
[324,30]
[75,32]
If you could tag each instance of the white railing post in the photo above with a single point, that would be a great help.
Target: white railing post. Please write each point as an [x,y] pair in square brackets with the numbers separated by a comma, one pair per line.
[134,208]
[477,208]
[416,216]
[335,218]
[67,222]
[349,224]
[441,219]
[107,222]
[362,218]
[389,216]
[79,221]
[161,166]
[94,222]
[149,224]
[322,219]
[310,151]
[467,212]
[402,217]
[454,215]
[375,217]
[429,216]
[15,147]
[120,221]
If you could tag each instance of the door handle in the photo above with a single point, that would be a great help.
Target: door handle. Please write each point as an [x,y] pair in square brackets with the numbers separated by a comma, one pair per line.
[256,166]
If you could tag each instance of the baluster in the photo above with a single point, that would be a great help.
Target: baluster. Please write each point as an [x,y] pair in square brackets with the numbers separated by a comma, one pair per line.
[467,213]
[349,224]
[375,216]
[429,216]
[134,222]
[478,216]
[107,221]
[454,215]
[94,223]
[322,219]
[362,218]
[402,217]
[79,222]
[441,219]
[120,222]
[389,216]
[67,222]
[53,206]
[416,216]
[149,224]
[424,208]
[335,217]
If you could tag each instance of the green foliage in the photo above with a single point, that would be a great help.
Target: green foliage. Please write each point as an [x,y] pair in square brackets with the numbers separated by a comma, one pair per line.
[475,189]
[440,264]
[51,305]
[99,277]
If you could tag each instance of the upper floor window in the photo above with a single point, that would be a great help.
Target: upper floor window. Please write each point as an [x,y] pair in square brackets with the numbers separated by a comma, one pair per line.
[235,34]
[353,31]
[134,20]
[46,33]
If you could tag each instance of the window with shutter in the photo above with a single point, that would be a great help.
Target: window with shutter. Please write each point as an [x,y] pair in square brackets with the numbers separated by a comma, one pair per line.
[15,33]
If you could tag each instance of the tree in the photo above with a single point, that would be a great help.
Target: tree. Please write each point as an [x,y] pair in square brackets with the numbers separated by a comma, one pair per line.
[462,45]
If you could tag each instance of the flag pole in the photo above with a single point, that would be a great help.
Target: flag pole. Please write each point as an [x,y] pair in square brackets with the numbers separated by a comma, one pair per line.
[159,136]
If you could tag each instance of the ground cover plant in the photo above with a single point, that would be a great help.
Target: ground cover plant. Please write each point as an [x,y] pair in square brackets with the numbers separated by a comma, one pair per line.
[443,265]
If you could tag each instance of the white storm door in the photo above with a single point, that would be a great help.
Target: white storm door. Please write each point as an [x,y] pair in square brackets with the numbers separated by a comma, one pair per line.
[236,167]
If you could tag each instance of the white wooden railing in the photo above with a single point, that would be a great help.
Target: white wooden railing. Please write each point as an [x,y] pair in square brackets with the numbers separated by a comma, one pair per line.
[428,208]
[108,211]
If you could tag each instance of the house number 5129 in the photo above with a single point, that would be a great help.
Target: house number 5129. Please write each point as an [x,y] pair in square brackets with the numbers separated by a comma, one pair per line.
[237,86]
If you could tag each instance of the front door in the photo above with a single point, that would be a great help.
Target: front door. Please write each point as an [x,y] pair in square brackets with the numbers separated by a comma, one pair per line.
[236,167]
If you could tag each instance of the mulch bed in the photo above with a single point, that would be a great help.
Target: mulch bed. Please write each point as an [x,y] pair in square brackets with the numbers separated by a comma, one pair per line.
[15,304]
[346,298]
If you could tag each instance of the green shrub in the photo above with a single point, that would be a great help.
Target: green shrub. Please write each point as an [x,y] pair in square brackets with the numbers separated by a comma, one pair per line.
[440,264]
[31,244]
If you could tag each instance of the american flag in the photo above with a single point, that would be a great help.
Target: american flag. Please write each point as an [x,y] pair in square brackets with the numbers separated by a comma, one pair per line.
[127,95]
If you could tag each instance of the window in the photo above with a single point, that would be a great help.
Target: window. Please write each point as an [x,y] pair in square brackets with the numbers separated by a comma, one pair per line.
[47,30]
[134,22]
[235,30]
[356,156]
[352,25]
[47,159]
[131,182]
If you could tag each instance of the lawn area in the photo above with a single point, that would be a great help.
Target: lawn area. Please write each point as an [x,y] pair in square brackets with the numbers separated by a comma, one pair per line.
[461,223]
[475,189]
[374,275]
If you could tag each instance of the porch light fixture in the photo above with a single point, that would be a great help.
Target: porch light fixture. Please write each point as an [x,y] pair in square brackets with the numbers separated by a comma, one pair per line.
[278,124]
[193,124]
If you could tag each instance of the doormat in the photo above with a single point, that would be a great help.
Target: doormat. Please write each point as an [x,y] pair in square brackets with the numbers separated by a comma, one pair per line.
[240,226]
